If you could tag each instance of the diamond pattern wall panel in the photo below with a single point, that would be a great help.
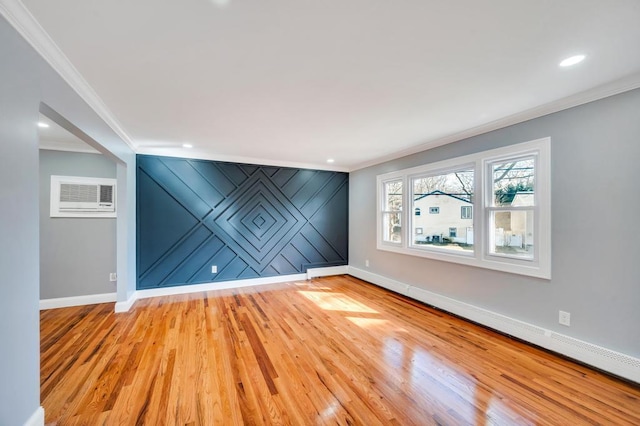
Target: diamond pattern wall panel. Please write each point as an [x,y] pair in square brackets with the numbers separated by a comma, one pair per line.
[250,221]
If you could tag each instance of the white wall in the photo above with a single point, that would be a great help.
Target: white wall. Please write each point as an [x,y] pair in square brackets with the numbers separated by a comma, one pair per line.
[19,322]
[26,82]
[76,254]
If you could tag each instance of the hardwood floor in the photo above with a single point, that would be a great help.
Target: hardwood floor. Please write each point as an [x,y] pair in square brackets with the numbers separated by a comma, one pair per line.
[333,350]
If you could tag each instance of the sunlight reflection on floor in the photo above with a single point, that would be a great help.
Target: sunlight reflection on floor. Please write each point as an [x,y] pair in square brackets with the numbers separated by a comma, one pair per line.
[367,322]
[336,302]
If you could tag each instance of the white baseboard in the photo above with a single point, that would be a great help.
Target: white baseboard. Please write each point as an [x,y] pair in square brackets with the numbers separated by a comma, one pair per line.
[196,288]
[36,419]
[225,285]
[65,302]
[328,271]
[597,356]
[125,305]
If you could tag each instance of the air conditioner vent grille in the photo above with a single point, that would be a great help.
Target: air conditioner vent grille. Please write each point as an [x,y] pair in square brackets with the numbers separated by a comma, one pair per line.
[106,193]
[77,193]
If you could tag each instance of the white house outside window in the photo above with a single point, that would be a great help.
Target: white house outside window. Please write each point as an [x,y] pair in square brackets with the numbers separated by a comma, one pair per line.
[444,192]
[509,190]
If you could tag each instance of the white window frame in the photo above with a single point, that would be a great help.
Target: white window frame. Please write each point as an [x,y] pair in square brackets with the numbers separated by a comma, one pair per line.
[539,266]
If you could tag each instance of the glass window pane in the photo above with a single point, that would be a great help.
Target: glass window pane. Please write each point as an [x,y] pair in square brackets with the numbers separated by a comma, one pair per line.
[513,182]
[393,196]
[391,227]
[445,202]
[466,212]
[512,233]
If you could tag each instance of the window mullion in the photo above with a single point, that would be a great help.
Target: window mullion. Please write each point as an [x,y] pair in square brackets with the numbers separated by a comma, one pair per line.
[476,208]
[407,205]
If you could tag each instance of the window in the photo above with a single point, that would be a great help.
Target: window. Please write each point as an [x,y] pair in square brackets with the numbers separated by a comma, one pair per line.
[466,212]
[392,212]
[509,189]
[511,210]
[444,191]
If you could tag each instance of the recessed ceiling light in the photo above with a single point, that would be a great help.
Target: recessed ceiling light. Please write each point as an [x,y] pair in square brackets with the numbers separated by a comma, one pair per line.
[43,125]
[572,60]
[187,145]
[221,3]
[330,160]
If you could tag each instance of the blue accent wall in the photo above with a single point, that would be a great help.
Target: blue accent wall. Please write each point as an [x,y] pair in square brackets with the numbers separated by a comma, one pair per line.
[249,220]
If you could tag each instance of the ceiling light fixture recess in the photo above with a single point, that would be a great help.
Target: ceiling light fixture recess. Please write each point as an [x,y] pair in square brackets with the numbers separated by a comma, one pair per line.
[187,145]
[573,60]
[43,125]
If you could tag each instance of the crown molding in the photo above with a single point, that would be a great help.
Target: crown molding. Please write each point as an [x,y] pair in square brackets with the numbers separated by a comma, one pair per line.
[615,87]
[18,16]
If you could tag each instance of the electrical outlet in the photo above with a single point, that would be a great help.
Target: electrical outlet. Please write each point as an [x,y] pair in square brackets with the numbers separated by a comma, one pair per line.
[366,263]
[564,318]
[113,277]
[214,269]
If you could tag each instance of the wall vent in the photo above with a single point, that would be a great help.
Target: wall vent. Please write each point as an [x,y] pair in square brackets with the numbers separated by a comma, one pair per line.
[611,361]
[598,350]
[74,196]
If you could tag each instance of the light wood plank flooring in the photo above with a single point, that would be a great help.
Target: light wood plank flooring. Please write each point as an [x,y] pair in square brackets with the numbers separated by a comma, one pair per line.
[334,350]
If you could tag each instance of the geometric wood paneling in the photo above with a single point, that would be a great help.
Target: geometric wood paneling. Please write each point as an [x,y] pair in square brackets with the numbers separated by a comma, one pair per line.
[249,220]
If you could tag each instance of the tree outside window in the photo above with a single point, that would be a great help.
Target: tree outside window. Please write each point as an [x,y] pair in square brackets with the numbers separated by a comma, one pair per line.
[392,212]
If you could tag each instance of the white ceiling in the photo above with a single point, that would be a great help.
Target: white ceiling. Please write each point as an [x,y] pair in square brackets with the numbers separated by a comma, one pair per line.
[360,81]
[56,138]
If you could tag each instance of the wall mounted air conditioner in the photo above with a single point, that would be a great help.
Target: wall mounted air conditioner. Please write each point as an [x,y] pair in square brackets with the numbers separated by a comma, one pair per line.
[73,196]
